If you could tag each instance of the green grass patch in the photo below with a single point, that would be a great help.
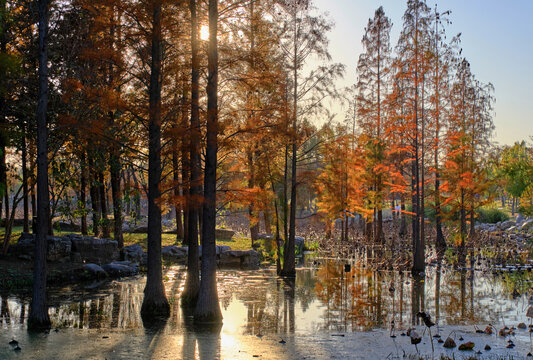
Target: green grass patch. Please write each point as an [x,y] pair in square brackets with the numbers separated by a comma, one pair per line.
[236,243]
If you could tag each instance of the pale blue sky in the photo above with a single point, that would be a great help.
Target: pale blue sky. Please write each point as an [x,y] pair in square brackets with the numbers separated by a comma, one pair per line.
[497,39]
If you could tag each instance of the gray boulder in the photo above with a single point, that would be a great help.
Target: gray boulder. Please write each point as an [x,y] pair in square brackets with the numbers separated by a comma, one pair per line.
[126,262]
[24,246]
[120,269]
[299,243]
[59,248]
[506,224]
[134,253]
[224,234]
[127,227]
[66,226]
[492,228]
[178,254]
[243,259]
[222,248]
[219,249]
[94,271]
[142,229]
[174,253]
[94,250]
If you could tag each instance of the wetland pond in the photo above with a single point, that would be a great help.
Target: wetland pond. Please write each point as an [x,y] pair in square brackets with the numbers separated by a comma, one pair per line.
[332,310]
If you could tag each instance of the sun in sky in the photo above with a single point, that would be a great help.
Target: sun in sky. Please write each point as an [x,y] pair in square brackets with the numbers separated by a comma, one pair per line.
[204,32]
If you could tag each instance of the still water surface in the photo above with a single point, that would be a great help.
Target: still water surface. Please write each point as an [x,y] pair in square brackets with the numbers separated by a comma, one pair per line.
[328,311]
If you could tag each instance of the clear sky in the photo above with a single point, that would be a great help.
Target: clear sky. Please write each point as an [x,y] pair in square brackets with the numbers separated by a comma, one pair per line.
[497,40]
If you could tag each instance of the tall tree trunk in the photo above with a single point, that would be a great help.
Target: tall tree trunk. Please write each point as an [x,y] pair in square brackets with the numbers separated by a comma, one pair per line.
[207,308]
[115,165]
[286,197]
[185,187]
[179,191]
[106,231]
[254,227]
[418,250]
[177,194]
[422,184]
[95,199]
[289,255]
[462,214]
[417,268]
[277,235]
[403,219]
[368,231]
[3,124]
[155,302]
[254,218]
[25,197]
[192,283]
[380,237]
[83,193]
[39,319]
[32,187]
[127,188]
[440,241]
[115,169]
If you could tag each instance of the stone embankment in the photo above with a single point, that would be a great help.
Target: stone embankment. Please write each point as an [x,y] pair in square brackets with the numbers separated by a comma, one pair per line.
[94,258]
[519,230]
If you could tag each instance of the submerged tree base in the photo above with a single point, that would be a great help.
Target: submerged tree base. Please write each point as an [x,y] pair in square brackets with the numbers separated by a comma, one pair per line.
[155,310]
[210,319]
[39,325]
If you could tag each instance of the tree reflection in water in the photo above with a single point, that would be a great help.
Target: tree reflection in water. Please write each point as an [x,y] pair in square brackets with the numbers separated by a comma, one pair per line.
[330,298]
[357,300]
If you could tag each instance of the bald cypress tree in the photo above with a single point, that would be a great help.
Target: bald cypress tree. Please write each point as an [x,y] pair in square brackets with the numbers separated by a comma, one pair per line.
[207,308]
[39,319]
[155,302]
[412,52]
[305,36]
[373,70]
[192,283]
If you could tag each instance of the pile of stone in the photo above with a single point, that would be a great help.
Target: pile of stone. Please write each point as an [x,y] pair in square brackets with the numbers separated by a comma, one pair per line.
[69,248]
[99,256]
[520,229]
[115,269]
[226,258]
[95,252]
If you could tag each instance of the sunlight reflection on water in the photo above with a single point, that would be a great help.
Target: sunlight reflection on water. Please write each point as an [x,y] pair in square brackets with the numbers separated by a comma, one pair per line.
[260,310]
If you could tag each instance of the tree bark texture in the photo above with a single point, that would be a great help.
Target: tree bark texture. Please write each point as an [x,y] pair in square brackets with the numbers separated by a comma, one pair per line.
[207,307]
[39,319]
[155,303]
